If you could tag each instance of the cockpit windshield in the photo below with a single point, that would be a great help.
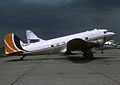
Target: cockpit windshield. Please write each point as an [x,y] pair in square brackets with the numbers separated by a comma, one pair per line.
[105,32]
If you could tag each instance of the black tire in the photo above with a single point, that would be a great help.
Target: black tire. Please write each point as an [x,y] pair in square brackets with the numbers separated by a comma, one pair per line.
[89,56]
[21,58]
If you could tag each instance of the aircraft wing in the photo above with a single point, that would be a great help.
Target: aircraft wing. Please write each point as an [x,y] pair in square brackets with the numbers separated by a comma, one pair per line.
[79,44]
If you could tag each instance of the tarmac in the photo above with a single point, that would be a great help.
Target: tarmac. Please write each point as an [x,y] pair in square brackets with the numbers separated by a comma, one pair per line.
[61,70]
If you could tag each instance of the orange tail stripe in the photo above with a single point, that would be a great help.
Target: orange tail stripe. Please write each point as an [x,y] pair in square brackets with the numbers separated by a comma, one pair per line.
[9,44]
[7,49]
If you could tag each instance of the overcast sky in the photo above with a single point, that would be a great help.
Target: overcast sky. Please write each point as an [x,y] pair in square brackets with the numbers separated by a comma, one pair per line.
[54,18]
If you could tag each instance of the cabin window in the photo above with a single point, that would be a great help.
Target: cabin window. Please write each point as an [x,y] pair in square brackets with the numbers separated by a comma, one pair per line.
[52,45]
[86,38]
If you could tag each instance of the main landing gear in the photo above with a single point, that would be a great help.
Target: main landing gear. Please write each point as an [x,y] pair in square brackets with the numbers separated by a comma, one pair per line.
[21,58]
[88,55]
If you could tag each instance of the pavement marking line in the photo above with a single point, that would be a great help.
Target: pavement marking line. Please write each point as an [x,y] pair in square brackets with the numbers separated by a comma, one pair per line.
[103,74]
[28,71]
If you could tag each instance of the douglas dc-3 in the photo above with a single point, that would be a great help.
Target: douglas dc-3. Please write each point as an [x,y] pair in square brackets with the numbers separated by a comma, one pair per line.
[86,42]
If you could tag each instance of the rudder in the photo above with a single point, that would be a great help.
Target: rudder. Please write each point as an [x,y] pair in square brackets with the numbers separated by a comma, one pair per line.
[12,44]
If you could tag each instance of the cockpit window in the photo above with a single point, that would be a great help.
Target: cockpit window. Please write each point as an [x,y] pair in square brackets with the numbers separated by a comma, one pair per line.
[105,32]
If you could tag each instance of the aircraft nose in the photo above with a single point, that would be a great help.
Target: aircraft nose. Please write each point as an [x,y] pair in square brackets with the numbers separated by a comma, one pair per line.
[110,33]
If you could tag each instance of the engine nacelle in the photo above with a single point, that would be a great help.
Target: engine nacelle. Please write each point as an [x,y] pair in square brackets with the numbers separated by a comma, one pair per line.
[100,42]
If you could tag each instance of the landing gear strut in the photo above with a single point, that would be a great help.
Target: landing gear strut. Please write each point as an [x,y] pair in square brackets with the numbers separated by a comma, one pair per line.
[68,52]
[21,58]
[88,55]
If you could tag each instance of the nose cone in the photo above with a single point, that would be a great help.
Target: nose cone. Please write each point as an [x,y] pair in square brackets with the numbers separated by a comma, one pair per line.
[110,33]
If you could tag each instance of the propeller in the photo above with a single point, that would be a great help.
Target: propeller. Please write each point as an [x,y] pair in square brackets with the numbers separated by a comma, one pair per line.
[101,43]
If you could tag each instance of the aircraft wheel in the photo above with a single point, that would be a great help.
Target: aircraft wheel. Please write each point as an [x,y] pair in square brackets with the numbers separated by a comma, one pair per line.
[21,58]
[88,55]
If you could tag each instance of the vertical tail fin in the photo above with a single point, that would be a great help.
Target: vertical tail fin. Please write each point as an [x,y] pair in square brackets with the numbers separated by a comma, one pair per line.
[32,38]
[12,44]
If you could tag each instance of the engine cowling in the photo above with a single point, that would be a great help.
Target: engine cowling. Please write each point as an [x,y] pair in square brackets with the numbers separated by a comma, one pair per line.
[100,42]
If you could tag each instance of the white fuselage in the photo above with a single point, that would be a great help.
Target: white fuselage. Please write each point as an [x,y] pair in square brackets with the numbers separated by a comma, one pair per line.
[59,44]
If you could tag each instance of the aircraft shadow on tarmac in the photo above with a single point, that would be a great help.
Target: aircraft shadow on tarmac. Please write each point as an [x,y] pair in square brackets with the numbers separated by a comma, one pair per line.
[73,58]
[80,59]
[36,59]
